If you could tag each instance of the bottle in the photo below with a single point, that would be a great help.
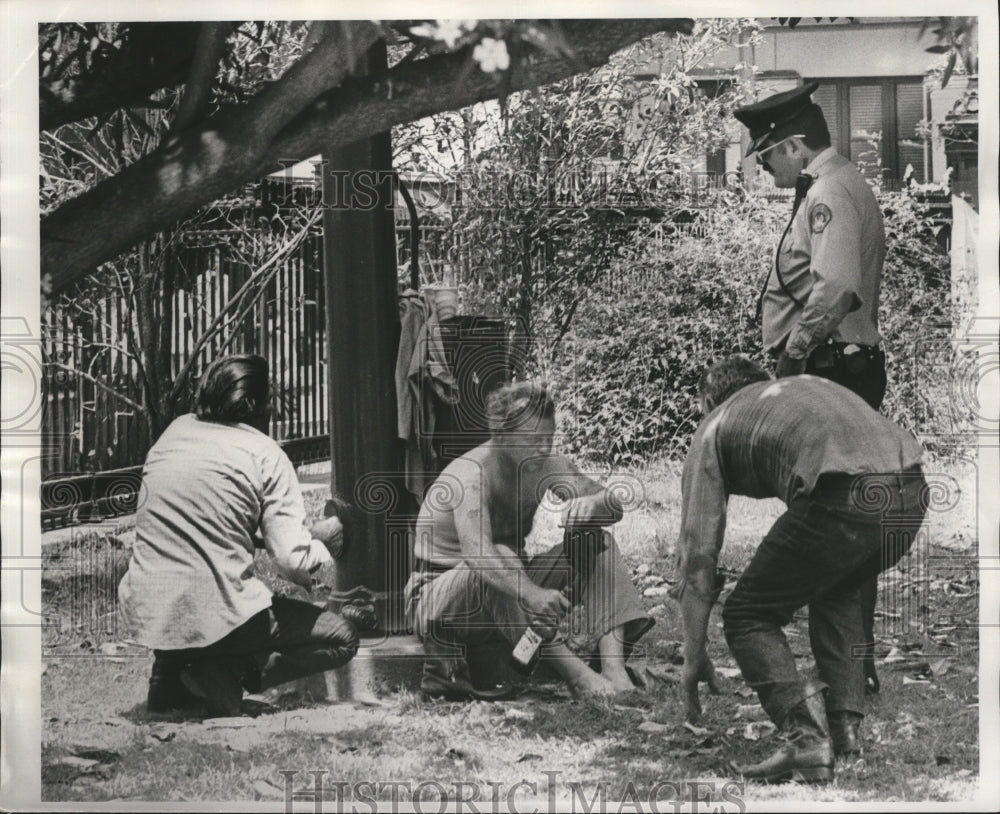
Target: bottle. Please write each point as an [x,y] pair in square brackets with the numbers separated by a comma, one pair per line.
[581,544]
[526,653]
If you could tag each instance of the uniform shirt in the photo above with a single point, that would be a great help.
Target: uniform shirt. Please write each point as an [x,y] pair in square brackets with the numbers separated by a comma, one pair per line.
[207,489]
[831,261]
[775,439]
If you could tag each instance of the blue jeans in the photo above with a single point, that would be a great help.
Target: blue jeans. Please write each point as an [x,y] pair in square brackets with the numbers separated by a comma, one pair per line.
[820,553]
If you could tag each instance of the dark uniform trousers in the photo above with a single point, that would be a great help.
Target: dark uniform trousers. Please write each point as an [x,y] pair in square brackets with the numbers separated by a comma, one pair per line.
[863,373]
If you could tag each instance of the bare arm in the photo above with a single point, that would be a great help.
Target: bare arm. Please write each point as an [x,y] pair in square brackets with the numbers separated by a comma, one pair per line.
[589,501]
[703,525]
[499,566]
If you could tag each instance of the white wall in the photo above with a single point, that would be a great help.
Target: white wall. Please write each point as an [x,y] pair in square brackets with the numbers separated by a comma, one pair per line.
[872,49]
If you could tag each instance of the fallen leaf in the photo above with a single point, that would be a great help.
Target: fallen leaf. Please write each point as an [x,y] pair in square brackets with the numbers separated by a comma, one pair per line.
[663,674]
[696,730]
[164,732]
[266,789]
[82,763]
[908,680]
[227,723]
[653,727]
[758,729]
[341,746]
[528,756]
[940,667]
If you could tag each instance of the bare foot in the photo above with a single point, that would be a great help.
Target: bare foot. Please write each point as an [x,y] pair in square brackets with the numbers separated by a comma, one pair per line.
[618,677]
[592,685]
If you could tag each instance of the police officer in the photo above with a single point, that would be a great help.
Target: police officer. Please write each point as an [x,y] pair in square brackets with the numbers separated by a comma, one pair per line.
[819,304]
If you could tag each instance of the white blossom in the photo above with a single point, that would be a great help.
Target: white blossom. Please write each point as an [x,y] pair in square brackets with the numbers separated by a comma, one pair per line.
[491,55]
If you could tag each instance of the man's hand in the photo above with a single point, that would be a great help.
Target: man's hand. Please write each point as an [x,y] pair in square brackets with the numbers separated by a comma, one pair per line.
[330,532]
[301,578]
[546,605]
[697,668]
[787,366]
[602,509]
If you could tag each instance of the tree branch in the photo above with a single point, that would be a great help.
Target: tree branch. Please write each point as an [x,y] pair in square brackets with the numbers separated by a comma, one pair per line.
[156,55]
[198,89]
[98,383]
[203,163]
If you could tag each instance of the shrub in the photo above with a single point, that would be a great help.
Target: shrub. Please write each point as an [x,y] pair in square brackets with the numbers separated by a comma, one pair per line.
[627,373]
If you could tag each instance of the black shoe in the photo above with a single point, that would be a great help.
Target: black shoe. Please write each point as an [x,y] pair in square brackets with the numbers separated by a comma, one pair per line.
[807,756]
[435,687]
[219,682]
[362,616]
[844,733]
[166,691]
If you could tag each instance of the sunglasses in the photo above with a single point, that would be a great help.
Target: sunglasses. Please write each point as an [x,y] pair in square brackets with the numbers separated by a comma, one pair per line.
[770,147]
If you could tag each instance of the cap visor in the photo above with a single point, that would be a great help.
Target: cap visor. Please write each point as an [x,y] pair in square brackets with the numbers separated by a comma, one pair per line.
[756,144]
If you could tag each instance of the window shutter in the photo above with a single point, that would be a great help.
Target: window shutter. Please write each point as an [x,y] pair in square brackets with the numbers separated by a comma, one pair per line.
[866,127]
[909,111]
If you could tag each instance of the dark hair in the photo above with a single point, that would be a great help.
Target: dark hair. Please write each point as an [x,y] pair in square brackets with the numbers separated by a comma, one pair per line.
[724,378]
[234,388]
[518,407]
[811,123]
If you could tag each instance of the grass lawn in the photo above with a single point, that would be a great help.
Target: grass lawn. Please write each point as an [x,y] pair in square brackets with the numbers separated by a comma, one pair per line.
[921,733]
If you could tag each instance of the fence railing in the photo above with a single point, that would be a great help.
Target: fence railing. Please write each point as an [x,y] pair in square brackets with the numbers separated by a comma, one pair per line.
[95,383]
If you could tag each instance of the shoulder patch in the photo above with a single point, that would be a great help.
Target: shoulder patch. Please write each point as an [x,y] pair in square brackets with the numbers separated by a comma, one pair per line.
[819,217]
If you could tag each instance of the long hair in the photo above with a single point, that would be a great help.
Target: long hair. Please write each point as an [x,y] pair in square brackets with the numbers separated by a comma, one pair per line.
[234,388]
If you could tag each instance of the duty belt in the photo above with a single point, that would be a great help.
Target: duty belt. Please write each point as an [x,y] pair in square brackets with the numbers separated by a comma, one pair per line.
[835,354]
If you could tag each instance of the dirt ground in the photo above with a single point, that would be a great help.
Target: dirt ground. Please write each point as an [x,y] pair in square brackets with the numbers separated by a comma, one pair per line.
[920,735]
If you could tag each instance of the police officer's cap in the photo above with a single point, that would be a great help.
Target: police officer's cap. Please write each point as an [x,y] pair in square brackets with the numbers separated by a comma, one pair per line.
[776,116]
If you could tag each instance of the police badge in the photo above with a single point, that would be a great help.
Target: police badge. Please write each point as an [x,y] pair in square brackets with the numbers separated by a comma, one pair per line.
[819,216]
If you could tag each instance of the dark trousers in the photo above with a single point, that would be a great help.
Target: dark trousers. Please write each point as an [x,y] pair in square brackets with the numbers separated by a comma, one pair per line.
[289,640]
[863,374]
[820,553]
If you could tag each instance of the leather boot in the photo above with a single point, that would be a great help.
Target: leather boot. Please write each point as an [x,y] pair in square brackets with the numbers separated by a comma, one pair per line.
[220,682]
[844,732]
[807,756]
[446,676]
[166,691]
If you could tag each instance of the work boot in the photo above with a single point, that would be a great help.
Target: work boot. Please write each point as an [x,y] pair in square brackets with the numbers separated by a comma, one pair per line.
[844,732]
[219,681]
[807,756]
[166,691]
[446,676]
